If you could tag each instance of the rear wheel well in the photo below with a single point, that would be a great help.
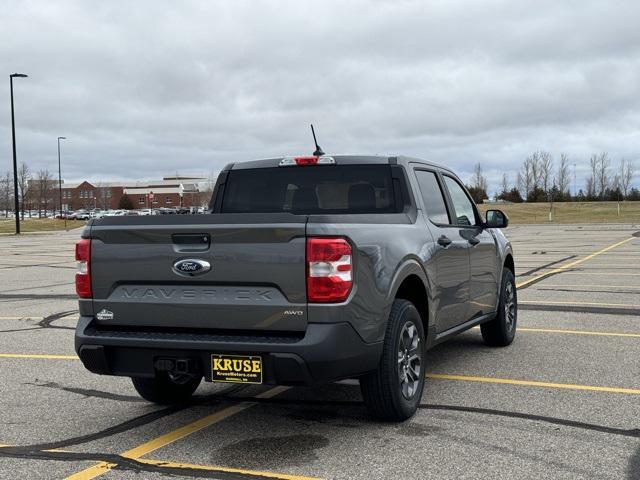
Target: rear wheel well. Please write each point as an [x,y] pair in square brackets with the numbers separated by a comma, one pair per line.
[508,263]
[413,289]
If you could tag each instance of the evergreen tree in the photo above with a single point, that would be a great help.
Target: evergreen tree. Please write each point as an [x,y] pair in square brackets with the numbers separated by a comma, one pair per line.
[125,203]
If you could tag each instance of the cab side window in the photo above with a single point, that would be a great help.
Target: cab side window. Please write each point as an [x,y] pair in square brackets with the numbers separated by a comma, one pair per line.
[432,197]
[465,213]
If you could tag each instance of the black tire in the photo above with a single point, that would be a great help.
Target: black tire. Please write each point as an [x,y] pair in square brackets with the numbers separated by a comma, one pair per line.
[164,390]
[385,389]
[501,331]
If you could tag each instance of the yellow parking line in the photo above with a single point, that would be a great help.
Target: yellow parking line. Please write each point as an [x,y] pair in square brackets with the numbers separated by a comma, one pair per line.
[38,356]
[190,466]
[93,472]
[615,263]
[620,254]
[532,383]
[574,332]
[578,332]
[577,303]
[554,285]
[184,431]
[215,468]
[566,266]
[621,274]
[137,452]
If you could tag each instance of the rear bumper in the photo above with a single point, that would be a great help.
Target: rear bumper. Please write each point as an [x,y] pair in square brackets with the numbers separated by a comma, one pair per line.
[327,352]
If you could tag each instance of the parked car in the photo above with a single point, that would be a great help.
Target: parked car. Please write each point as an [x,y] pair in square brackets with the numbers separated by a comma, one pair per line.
[79,215]
[111,213]
[62,215]
[309,269]
[163,211]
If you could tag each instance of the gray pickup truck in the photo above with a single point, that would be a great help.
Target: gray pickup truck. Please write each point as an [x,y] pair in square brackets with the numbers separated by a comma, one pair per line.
[307,269]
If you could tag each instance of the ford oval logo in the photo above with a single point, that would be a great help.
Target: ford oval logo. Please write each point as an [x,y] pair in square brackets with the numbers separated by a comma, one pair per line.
[190,267]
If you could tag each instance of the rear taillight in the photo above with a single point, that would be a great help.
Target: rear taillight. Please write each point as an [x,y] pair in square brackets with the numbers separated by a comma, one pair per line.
[329,270]
[83,275]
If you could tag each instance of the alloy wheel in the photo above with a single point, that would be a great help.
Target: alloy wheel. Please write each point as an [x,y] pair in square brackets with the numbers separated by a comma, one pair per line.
[509,306]
[409,360]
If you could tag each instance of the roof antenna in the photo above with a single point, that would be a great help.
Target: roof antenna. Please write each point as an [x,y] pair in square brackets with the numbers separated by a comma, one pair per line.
[318,152]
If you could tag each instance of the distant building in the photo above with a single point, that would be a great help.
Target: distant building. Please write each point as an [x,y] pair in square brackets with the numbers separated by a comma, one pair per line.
[169,192]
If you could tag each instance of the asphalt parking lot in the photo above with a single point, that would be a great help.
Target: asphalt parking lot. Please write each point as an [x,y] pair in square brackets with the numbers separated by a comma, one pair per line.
[563,401]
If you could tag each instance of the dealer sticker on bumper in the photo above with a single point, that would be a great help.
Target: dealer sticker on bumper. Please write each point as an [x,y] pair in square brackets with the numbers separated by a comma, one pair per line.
[236,368]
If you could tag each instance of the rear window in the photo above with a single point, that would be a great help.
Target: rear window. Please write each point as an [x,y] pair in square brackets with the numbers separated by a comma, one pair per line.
[313,190]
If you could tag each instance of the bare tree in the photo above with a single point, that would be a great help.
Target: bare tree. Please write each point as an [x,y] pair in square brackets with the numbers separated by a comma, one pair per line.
[43,186]
[103,196]
[6,193]
[520,181]
[626,175]
[616,193]
[24,180]
[534,161]
[563,178]
[525,177]
[479,181]
[535,173]
[545,166]
[602,177]
[615,183]
[207,191]
[504,186]
[591,188]
[598,180]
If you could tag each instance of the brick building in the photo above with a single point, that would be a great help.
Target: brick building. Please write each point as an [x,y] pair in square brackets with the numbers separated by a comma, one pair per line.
[169,192]
[88,196]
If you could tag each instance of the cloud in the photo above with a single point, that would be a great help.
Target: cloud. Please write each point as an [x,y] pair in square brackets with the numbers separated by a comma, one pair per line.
[143,89]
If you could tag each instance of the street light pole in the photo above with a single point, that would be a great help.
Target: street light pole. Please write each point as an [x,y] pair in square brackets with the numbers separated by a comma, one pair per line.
[60,183]
[16,202]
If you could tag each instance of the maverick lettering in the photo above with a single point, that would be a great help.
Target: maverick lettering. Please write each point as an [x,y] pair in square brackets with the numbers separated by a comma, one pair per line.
[210,294]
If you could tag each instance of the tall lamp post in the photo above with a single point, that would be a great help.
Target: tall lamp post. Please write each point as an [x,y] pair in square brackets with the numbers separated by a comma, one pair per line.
[60,183]
[16,202]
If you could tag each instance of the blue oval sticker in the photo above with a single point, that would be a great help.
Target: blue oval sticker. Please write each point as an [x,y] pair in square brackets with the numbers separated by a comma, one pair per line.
[190,267]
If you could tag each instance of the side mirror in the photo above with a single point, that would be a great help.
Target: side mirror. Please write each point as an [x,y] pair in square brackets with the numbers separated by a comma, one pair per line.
[496,219]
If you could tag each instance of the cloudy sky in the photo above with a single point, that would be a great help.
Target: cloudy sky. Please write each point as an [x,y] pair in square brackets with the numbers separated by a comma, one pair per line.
[146,89]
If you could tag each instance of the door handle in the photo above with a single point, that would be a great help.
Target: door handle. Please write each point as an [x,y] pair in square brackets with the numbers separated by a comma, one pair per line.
[474,241]
[444,241]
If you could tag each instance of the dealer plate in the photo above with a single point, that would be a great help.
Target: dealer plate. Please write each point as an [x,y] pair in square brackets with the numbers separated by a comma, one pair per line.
[236,368]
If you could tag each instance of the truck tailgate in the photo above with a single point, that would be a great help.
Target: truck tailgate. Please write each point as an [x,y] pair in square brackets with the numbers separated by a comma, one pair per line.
[256,279]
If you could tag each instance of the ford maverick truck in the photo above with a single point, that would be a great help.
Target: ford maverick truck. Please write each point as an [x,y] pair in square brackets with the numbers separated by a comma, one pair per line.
[305,270]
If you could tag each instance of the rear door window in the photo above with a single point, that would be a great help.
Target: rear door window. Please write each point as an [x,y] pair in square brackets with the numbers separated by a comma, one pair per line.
[465,213]
[310,190]
[432,197]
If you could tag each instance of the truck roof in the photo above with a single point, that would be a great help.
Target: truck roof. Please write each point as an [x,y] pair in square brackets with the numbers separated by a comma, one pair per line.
[341,159]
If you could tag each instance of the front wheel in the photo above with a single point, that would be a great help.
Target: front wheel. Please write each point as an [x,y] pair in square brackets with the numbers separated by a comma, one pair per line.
[393,391]
[501,331]
[166,389]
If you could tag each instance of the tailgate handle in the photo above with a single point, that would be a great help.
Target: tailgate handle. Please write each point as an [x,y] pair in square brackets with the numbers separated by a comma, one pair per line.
[191,242]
